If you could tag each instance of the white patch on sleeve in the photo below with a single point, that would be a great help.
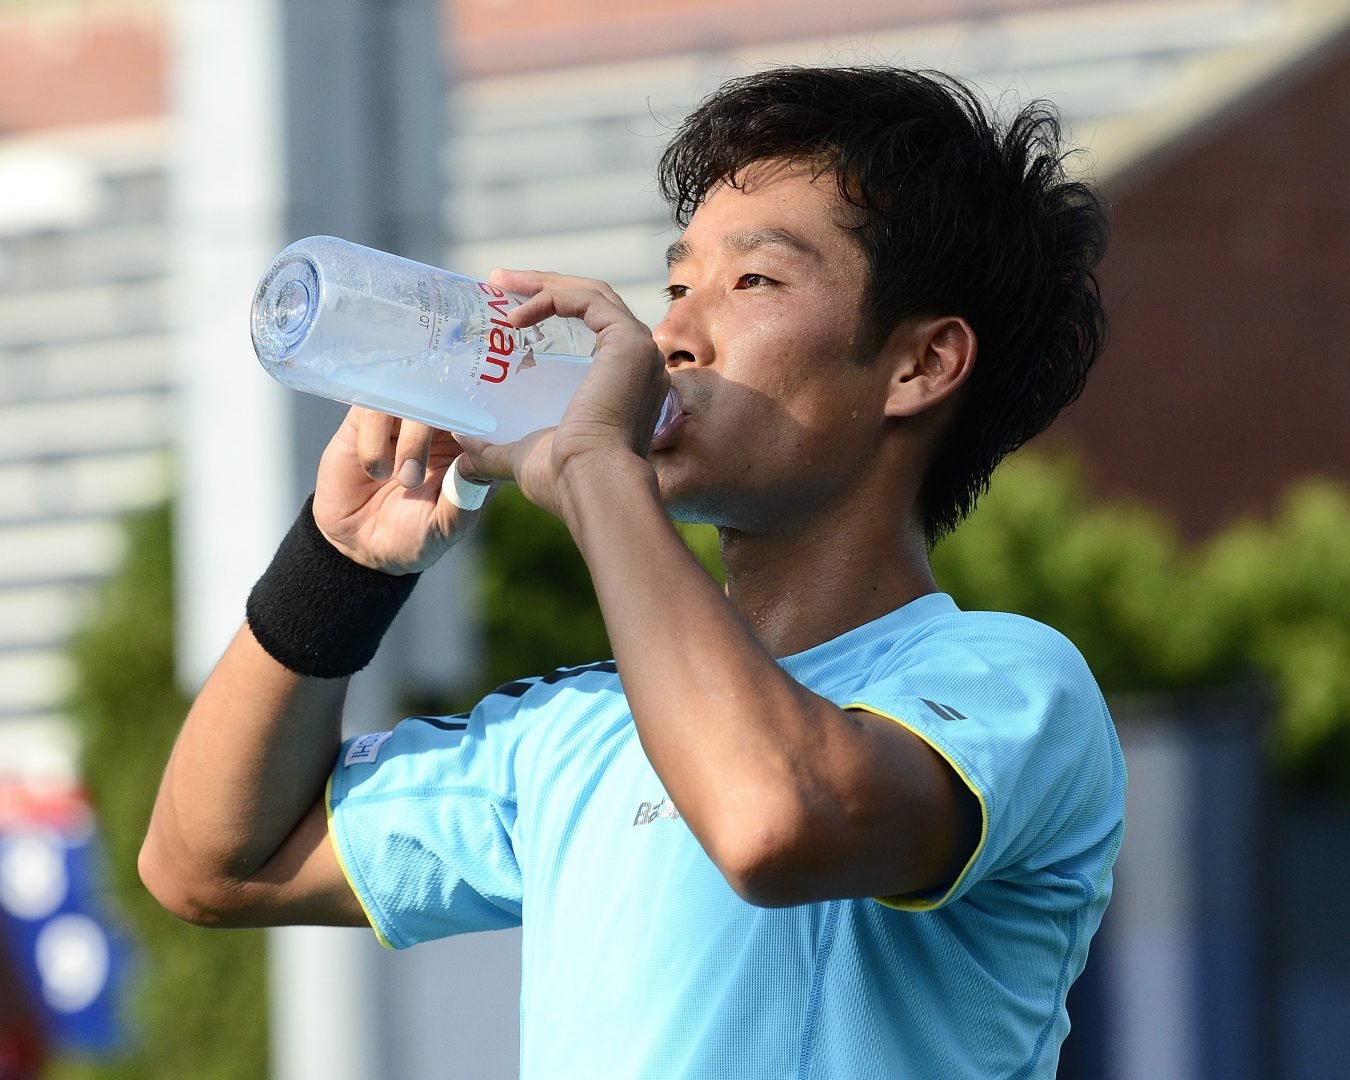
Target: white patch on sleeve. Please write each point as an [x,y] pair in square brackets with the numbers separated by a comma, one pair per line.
[366,748]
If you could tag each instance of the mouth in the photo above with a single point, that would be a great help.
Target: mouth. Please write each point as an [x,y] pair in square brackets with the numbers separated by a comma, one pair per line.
[668,431]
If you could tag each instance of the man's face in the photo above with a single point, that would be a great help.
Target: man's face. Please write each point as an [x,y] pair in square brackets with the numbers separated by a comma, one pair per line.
[762,338]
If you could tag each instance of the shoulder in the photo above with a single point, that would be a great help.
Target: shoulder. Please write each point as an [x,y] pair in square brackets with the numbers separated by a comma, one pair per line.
[997,639]
[1008,700]
[1003,660]
[1011,704]
[599,676]
[486,746]
[1024,678]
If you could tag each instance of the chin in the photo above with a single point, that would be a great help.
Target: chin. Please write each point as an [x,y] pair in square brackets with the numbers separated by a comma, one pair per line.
[685,505]
[686,515]
[687,494]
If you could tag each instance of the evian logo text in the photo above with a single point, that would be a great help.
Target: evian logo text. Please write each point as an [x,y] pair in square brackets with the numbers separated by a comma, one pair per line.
[501,338]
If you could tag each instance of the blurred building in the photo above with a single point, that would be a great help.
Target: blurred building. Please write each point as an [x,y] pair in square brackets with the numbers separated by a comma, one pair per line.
[1214,126]
[1217,127]
[1228,286]
[84,421]
[84,366]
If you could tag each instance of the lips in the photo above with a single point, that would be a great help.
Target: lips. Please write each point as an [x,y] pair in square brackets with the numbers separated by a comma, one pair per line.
[666,434]
[672,418]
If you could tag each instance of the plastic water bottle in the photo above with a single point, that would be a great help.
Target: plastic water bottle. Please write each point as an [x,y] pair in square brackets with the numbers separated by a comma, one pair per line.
[364,327]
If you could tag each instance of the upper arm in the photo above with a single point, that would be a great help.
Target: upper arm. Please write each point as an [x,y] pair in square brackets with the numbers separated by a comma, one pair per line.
[870,810]
[1032,747]
[932,805]
[301,884]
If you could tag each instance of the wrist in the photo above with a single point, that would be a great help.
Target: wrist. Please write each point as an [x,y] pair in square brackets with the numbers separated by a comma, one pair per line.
[603,483]
[318,612]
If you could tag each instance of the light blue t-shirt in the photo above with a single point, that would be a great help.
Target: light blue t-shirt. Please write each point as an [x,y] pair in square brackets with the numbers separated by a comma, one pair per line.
[641,963]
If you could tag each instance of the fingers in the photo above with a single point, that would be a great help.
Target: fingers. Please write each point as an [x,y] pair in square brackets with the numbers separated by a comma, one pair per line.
[374,442]
[547,294]
[387,446]
[412,453]
[529,282]
[592,307]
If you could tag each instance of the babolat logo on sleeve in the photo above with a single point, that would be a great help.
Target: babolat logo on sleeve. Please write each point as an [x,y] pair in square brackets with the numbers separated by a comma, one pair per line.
[366,748]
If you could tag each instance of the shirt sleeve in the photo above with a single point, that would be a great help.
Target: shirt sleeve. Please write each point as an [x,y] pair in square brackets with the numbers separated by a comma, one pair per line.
[1020,719]
[423,820]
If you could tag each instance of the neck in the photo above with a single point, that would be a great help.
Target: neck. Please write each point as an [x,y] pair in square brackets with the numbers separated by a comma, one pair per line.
[799,590]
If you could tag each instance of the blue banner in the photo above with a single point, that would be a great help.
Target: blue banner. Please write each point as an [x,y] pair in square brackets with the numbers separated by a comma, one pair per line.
[68,954]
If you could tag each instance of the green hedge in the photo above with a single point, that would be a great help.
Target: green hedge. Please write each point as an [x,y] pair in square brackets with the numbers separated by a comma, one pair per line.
[539,609]
[1265,599]
[200,1012]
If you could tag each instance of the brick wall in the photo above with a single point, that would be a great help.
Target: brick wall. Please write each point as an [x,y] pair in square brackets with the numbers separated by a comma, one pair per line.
[68,63]
[1228,286]
[71,68]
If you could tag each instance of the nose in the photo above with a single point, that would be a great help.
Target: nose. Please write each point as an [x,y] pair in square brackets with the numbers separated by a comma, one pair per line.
[678,337]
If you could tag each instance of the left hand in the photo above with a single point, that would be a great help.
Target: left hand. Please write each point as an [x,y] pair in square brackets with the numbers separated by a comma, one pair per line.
[378,494]
[613,411]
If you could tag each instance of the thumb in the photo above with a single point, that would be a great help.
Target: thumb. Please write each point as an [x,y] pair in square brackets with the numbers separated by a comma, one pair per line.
[483,462]
[525,462]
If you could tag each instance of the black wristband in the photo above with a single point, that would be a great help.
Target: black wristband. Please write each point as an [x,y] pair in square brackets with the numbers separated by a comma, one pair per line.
[316,611]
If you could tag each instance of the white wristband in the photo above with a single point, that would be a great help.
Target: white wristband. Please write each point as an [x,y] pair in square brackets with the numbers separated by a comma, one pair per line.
[465,494]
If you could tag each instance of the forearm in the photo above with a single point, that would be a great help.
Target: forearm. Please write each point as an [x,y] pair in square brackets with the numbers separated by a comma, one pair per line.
[792,797]
[239,834]
[746,753]
[237,828]
[251,759]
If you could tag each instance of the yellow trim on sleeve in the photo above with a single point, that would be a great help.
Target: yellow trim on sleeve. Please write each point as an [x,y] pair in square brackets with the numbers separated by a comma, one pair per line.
[902,903]
[342,863]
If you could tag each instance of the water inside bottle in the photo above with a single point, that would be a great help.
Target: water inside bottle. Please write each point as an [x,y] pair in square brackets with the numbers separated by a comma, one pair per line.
[367,328]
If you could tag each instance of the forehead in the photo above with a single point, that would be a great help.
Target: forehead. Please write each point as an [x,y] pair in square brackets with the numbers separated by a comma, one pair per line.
[773,204]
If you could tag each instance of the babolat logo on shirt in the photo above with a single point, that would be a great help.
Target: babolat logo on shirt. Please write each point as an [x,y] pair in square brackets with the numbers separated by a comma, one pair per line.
[649,812]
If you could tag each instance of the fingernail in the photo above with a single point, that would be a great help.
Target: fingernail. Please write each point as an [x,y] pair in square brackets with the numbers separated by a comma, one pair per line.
[411,474]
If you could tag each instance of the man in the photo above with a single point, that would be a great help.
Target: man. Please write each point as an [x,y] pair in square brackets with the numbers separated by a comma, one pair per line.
[822,824]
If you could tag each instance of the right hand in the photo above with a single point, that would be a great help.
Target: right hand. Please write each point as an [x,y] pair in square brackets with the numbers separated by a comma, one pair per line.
[378,498]
[610,415]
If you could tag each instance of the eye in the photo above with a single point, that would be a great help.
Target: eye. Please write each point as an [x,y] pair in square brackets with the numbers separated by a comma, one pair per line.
[753,281]
[675,292]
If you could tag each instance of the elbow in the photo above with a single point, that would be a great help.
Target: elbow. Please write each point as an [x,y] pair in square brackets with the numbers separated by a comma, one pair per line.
[194,898]
[770,863]
[760,885]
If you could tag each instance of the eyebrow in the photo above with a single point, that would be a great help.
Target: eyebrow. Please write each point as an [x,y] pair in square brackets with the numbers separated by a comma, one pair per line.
[743,242]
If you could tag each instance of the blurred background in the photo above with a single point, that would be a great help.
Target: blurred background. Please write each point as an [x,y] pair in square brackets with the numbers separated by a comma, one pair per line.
[1187,523]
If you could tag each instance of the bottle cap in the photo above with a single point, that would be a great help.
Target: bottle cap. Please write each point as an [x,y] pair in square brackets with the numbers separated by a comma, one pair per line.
[670,412]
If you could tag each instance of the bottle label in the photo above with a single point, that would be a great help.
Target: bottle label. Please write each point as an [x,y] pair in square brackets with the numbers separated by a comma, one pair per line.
[501,336]
[483,329]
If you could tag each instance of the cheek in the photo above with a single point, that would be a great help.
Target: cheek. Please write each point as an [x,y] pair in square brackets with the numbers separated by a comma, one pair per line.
[785,357]
[794,367]
[816,379]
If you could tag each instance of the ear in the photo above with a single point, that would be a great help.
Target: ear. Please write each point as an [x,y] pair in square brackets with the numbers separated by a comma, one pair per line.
[931,357]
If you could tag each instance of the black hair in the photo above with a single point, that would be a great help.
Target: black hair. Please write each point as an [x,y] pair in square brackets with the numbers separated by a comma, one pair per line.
[957,214]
